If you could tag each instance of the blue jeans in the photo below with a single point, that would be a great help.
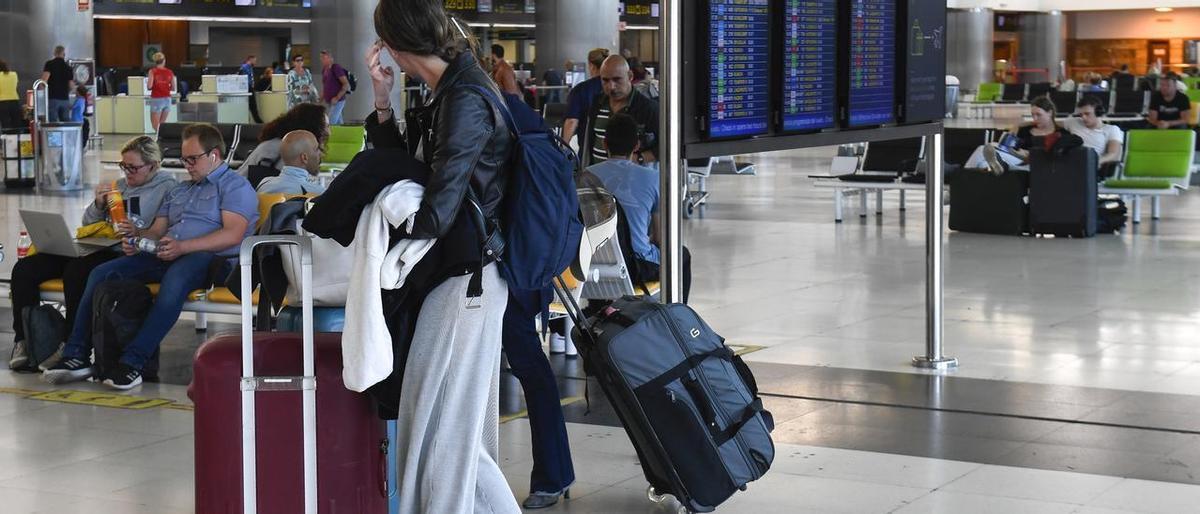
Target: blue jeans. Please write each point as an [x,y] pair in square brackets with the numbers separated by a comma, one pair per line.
[552,468]
[335,112]
[176,280]
[60,111]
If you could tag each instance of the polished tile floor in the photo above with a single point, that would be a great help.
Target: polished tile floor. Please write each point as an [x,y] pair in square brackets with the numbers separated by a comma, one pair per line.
[1076,391]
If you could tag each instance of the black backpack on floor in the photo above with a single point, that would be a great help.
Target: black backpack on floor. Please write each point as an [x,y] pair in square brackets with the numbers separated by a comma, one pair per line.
[1111,214]
[45,333]
[120,308]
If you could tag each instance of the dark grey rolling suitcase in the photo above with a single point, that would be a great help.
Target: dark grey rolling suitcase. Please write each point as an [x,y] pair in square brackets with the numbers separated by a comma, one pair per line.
[1062,192]
[984,203]
[689,405]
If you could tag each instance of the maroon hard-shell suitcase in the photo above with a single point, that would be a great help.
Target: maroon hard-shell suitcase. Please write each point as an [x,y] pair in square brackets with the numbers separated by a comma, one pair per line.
[350,441]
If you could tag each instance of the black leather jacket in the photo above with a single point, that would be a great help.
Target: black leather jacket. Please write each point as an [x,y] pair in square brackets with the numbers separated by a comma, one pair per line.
[463,138]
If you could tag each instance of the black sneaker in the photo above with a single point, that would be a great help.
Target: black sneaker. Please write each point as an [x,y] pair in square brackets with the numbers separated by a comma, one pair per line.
[124,377]
[68,370]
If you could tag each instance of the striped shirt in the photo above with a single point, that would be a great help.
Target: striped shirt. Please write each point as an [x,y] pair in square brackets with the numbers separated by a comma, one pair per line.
[599,128]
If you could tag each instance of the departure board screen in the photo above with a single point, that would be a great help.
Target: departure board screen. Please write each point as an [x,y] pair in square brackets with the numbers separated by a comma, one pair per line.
[872,63]
[739,68]
[809,64]
[925,61]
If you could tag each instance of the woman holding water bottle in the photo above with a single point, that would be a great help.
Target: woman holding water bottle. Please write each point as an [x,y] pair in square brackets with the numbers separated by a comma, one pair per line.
[134,198]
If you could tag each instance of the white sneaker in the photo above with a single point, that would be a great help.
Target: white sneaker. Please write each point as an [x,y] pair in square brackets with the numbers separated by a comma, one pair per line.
[558,344]
[19,356]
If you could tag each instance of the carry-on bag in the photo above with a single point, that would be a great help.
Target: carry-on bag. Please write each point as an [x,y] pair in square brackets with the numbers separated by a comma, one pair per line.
[984,203]
[688,403]
[1062,192]
[276,430]
[119,309]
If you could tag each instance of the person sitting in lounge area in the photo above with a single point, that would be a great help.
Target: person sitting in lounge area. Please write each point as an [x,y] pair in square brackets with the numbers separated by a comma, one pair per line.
[201,221]
[1107,140]
[1042,131]
[636,190]
[142,190]
[1168,107]
[301,156]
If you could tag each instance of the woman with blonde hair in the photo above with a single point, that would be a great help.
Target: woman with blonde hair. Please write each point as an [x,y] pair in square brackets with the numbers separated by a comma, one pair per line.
[142,190]
[162,84]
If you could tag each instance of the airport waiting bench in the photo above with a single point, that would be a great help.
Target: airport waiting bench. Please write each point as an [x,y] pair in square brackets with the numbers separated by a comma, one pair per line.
[201,302]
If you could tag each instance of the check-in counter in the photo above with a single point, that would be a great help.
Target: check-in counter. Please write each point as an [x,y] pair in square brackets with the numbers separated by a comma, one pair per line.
[271,105]
[129,114]
[231,107]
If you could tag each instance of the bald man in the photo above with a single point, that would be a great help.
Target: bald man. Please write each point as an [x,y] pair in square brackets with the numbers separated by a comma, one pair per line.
[619,96]
[301,156]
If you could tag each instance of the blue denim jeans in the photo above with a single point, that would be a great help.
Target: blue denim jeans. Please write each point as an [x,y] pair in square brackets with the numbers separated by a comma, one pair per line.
[60,110]
[176,280]
[335,112]
[552,468]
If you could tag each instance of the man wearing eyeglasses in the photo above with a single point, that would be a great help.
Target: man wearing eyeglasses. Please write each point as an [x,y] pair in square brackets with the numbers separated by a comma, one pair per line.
[198,229]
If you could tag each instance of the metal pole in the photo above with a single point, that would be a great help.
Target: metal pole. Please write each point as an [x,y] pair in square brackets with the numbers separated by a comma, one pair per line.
[933,358]
[671,164]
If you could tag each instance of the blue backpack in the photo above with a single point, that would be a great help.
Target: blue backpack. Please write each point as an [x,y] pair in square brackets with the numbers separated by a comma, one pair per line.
[539,216]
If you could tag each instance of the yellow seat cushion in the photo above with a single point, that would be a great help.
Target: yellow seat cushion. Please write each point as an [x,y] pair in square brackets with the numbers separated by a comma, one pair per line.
[56,286]
[224,295]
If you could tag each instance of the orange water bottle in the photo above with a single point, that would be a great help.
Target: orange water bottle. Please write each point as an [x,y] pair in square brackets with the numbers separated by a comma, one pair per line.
[116,206]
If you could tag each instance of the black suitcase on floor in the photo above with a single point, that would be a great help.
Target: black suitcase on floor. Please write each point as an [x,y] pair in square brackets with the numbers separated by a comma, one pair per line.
[689,404]
[985,203]
[1062,192]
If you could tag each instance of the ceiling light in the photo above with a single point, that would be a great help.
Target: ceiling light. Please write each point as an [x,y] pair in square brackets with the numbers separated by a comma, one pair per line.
[1163,9]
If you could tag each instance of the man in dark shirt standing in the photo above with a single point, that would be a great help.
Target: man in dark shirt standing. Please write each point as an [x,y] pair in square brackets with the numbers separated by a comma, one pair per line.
[1169,108]
[57,75]
[581,98]
[619,97]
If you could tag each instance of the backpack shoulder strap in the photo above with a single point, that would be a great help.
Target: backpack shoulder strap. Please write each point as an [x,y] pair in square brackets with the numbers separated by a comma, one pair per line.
[498,104]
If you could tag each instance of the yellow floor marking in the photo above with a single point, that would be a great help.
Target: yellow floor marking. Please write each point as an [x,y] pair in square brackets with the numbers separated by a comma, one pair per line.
[521,414]
[18,391]
[117,401]
[744,349]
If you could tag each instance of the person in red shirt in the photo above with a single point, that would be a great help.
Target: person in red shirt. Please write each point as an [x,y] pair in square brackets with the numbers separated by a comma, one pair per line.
[162,84]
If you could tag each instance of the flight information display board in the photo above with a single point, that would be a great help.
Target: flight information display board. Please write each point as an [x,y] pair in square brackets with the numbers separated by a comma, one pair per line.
[924,43]
[872,66]
[809,64]
[739,68]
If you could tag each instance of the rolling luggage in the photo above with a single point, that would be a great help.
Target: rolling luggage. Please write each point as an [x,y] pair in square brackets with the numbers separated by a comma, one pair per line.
[1062,192]
[984,203]
[688,403]
[337,463]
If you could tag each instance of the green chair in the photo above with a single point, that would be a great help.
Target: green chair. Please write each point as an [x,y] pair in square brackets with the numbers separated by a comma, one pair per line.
[345,141]
[989,92]
[1157,163]
[1193,93]
[1192,83]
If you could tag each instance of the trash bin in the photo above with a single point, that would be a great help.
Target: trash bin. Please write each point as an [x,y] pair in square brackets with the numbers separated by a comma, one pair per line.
[60,156]
[951,96]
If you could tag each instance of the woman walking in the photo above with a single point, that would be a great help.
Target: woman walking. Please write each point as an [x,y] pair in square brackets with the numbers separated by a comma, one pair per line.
[448,411]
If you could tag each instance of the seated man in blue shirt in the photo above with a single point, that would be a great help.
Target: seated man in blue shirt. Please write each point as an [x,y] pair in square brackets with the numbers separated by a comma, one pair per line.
[200,221]
[636,190]
[301,156]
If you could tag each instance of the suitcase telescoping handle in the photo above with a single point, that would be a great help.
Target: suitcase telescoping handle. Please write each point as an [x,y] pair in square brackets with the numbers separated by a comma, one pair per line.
[306,384]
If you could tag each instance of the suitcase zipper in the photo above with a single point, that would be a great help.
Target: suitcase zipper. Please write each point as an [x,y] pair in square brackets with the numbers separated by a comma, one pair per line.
[717,409]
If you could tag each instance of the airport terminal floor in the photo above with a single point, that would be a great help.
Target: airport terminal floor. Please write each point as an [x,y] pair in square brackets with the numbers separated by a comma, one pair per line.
[1078,389]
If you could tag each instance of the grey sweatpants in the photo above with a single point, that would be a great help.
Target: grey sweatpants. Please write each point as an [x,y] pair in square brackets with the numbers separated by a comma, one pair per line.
[448,440]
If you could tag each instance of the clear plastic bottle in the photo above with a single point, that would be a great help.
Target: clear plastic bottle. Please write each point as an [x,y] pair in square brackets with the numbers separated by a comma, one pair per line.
[144,244]
[23,245]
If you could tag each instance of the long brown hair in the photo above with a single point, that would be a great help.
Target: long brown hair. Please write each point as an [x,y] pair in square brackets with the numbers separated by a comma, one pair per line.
[420,27]
[1044,103]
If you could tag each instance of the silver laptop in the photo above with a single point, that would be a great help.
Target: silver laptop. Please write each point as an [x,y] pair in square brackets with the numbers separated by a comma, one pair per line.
[50,234]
